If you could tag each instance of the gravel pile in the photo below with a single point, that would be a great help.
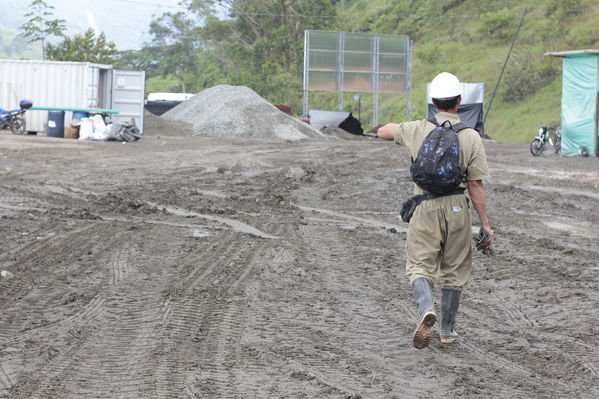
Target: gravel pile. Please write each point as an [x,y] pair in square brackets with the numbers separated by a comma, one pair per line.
[237,111]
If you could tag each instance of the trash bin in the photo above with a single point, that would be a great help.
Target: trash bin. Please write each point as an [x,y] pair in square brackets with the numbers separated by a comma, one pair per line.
[55,124]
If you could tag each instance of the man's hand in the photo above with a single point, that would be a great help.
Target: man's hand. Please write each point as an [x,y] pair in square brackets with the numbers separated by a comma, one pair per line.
[486,237]
[489,237]
[484,241]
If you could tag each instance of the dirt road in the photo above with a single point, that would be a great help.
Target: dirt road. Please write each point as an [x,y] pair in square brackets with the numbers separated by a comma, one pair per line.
[188,267]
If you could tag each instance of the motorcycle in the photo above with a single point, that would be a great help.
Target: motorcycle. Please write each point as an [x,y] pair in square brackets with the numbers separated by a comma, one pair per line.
[13,119]
[538,144]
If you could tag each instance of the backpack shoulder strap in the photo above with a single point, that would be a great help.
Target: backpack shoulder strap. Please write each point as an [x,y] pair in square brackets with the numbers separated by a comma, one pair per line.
[460,126]
[456,127]
[433,121]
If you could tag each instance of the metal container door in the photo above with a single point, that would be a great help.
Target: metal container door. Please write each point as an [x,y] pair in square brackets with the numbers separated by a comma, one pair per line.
[128,96]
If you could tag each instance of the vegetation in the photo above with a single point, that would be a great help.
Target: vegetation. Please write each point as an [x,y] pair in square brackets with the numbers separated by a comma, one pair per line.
[260,45]
[86,47]
[41,25]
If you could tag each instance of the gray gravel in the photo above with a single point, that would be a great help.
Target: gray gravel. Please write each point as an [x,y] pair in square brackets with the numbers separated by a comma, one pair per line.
[237,111]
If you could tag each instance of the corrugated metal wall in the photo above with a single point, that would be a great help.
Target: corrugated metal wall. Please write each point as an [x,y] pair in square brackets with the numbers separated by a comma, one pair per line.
[49,84]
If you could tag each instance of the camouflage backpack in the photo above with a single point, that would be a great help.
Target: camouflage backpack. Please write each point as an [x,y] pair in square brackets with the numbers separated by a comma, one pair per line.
[436,168]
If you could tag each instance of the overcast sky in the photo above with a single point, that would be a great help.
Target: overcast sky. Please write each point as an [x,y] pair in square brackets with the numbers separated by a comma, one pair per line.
[124,22]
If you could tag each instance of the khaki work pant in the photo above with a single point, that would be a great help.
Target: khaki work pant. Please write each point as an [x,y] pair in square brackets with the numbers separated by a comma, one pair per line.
[439,242]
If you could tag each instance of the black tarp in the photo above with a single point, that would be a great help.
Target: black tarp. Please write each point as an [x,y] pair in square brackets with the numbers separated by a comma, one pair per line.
[470,114]
[352,125]
[159,107]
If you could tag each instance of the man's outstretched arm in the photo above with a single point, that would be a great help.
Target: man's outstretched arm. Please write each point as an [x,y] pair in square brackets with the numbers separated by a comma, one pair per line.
[387,132]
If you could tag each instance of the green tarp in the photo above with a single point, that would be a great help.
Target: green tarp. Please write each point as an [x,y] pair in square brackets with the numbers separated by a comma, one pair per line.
[579,104]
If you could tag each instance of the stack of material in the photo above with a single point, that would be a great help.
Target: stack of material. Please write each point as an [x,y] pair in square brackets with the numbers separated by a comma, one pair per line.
[237,111]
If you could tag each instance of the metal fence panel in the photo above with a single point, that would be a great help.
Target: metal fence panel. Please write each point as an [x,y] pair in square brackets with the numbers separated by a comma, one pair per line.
[357,62]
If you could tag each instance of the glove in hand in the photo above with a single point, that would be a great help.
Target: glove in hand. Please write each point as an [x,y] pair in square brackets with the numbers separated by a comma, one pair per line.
[479,239]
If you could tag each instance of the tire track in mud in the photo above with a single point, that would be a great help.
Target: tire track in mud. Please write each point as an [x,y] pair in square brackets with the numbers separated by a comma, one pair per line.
[14,289]
[364,332]
[114,354]
[514,313]
[527,360]
[494,359]
[31,257]
[196,266]
[119,265]
[109,355]
[224,322]
[20,204]
[30,250]
[117,353]
[220,316]
[65,336]
[88,313]
[302,333]
[6,381]
[142,314]
[221,374]
[196,299]
[581,356]
[589,349]
[518,318]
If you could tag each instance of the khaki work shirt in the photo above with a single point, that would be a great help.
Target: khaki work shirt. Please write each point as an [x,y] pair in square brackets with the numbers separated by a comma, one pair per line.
[473,159]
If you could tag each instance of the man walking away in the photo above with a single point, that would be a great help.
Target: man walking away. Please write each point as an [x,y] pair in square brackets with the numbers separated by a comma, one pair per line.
[438,244]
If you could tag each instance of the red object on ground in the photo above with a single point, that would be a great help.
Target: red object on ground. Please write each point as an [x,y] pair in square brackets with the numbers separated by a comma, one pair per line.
[284,108]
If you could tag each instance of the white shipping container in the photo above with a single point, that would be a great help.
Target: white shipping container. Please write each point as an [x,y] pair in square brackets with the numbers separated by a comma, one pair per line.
[68,85]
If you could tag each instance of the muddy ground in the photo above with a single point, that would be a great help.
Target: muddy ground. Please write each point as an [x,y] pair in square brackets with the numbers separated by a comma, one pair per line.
[194,267]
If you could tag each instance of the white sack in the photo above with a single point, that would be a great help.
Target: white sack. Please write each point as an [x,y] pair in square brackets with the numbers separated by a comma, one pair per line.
[86,129]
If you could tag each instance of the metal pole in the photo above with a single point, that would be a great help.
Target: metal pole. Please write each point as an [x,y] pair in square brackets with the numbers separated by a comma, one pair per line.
[596,134]
[505,64]
[340,63]
[375,74]
[409,82]
[306,69]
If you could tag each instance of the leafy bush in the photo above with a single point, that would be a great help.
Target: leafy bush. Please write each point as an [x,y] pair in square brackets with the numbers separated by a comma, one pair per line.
[527,72]
[497,25]
[428,54]
[563,8]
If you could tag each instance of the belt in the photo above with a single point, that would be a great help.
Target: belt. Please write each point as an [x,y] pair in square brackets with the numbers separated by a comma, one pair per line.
[427,196]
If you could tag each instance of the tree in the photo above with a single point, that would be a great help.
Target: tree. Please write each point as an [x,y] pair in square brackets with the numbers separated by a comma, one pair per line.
[266,32]
[176,44]
[86,47]
[39,26]
[138,60]
[261,44]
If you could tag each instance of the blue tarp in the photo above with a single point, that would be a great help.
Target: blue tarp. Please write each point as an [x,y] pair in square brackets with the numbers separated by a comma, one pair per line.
[579,104]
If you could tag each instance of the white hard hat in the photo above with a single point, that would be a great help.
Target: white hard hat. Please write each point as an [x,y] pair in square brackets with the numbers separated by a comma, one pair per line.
[445,85]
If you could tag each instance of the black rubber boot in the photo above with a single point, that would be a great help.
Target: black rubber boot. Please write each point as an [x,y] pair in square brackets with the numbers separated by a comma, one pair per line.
[450,303]
[423,296]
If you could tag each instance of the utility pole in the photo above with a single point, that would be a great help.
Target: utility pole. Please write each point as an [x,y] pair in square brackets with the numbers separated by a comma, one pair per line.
[504,65]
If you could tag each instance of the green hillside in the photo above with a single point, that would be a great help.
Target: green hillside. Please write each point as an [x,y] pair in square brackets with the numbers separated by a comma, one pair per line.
[471,38]
[15,47]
